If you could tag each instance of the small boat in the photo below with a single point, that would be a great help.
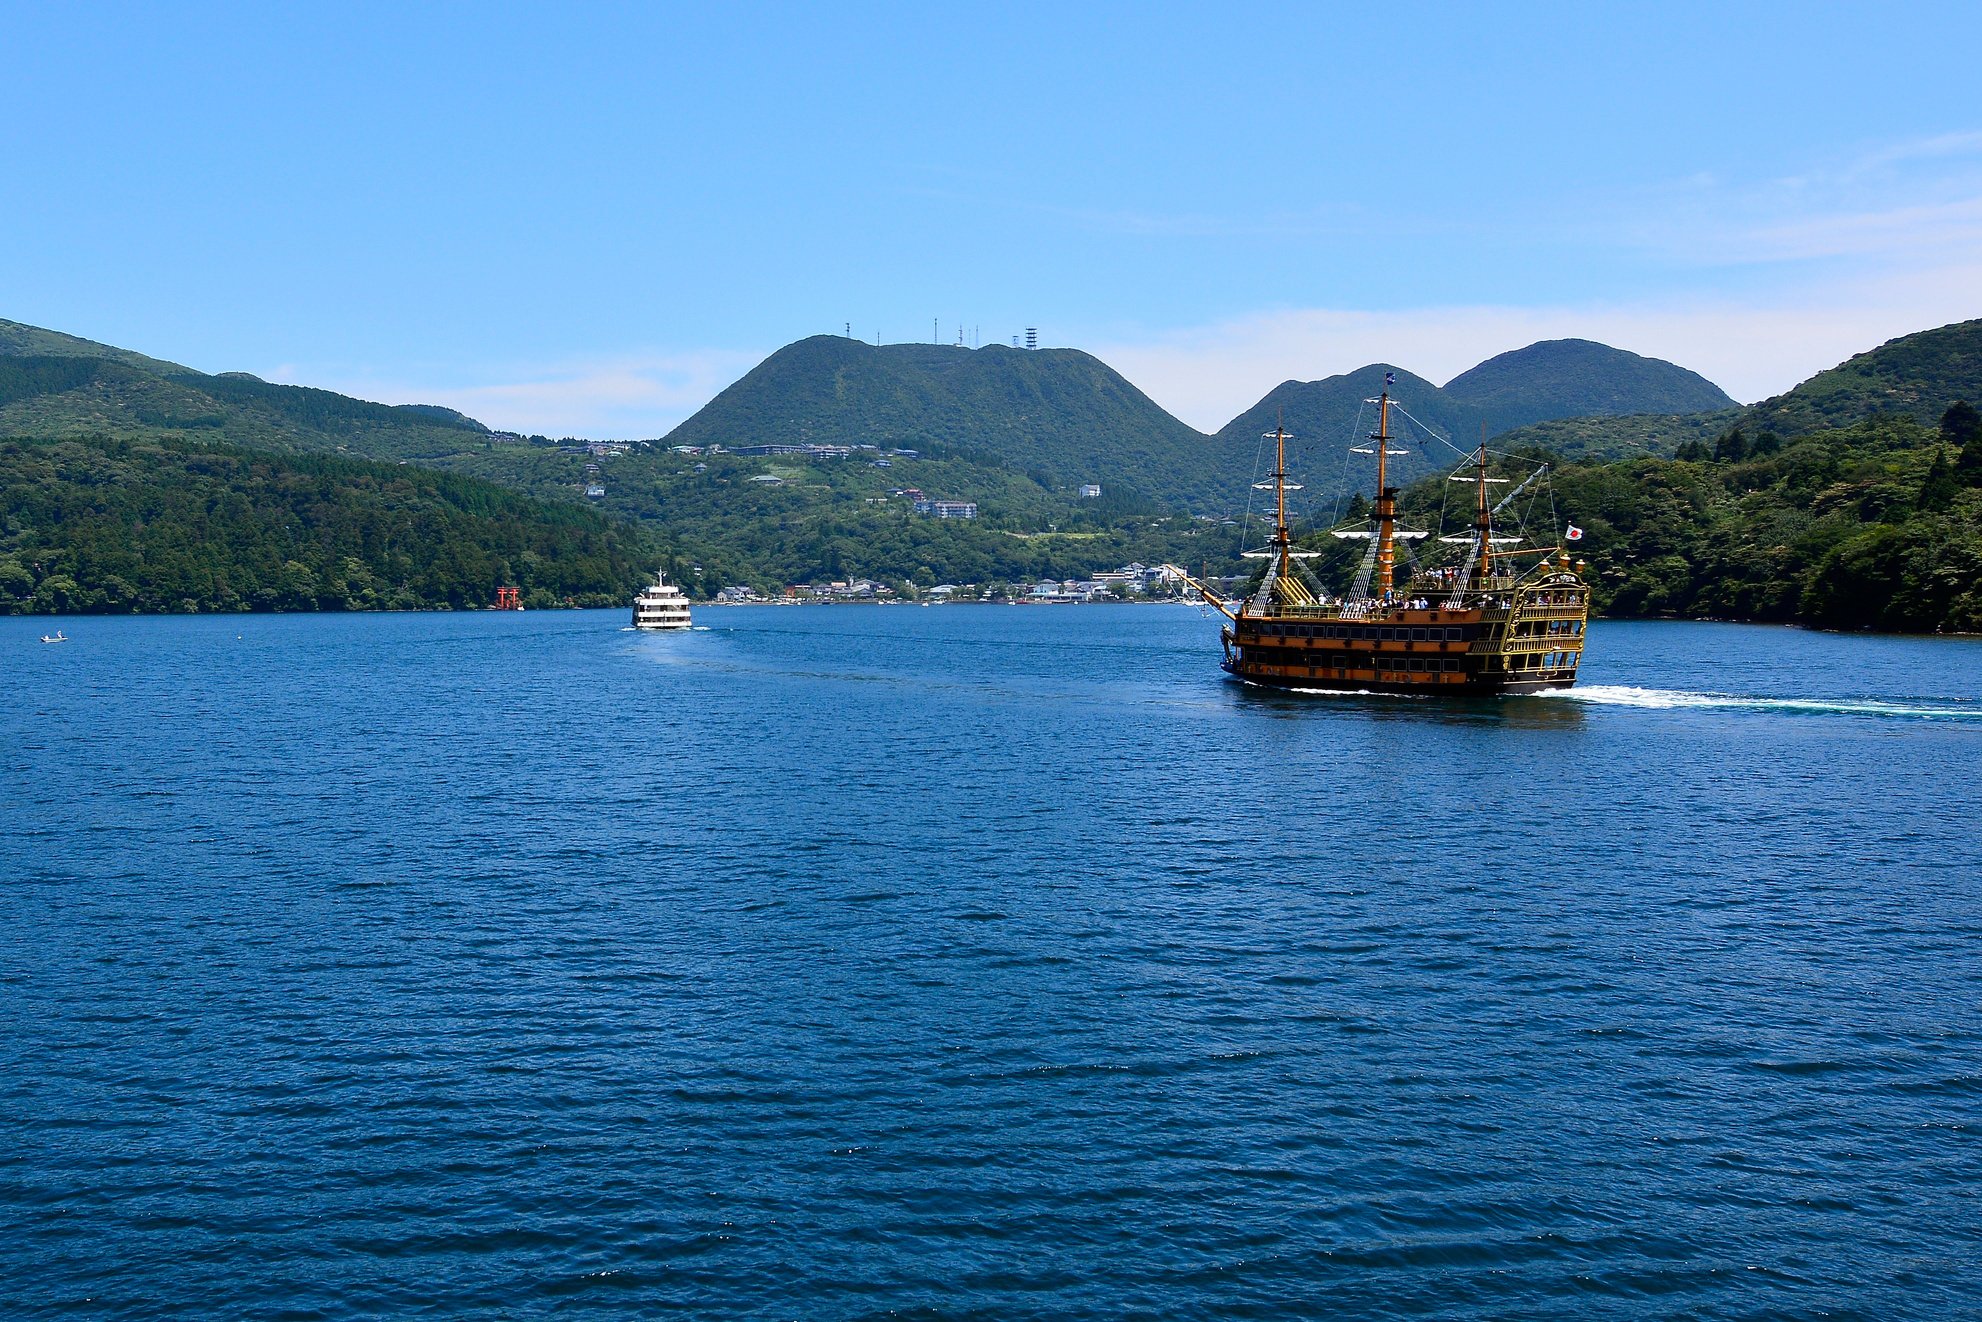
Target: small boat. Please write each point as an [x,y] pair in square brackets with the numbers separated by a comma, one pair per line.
[1484,625]
[59,637]
[661,605]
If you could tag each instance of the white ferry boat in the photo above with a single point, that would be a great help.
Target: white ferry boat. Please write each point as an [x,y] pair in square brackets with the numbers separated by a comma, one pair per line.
[660,605]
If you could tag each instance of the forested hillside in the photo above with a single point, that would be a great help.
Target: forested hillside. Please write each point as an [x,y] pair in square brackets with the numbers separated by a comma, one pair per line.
[1874,526]
[114,525]
[773,520]
[1917,375]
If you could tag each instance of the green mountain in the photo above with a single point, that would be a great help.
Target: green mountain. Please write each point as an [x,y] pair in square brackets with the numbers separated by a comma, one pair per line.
[100,524]
[1579,379]
[56,384]
[1529,388]
[1060,415]
[1917,375]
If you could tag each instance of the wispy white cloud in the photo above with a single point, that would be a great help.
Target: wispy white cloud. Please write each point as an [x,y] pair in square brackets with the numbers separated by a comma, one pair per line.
[1906,233]
[1939,146]
[1907,203]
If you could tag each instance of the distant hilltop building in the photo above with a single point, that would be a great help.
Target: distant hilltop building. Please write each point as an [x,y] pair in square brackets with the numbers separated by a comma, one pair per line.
[947,509]
[1032,337]
[1090,491]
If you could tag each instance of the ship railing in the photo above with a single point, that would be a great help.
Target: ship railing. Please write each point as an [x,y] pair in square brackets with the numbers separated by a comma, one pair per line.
[1542,642]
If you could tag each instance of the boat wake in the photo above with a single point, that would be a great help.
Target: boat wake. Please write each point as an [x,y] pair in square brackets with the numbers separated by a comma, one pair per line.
[1624,695]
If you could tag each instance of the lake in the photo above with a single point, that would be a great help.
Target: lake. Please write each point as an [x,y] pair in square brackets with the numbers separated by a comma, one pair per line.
[979,961]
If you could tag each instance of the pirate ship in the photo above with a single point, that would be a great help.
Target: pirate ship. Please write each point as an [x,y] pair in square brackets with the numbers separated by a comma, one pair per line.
[1501,617]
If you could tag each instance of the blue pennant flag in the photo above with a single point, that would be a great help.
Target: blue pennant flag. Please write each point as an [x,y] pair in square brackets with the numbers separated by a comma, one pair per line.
[1390,378]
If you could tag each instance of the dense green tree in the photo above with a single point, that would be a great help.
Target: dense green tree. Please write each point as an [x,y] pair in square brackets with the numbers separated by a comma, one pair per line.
[1960,424]
[1859,528]
[1961,427]
[1938,488]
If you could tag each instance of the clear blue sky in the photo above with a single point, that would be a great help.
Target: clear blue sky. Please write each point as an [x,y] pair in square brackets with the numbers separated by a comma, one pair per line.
[589,218]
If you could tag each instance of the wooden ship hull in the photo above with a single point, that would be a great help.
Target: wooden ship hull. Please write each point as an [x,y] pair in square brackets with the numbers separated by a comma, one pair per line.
[1533,643]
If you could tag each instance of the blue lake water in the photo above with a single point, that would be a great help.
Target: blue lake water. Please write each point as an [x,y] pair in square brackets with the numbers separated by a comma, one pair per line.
[977,961]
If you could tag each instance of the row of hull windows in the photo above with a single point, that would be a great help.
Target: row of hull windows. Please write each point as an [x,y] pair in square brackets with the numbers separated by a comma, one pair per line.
[1262,656]
[1559,628]
[1302,660]
[1389,633]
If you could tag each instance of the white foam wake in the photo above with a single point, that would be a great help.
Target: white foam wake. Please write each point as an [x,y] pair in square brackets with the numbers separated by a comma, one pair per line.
[1624,695]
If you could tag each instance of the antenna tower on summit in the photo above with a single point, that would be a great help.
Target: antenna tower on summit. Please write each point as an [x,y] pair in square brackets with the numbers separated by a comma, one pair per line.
[1032,337]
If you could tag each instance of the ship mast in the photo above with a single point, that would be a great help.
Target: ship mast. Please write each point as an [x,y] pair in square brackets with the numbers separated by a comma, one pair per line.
[1282,544]
[1386,496]
[1483,520]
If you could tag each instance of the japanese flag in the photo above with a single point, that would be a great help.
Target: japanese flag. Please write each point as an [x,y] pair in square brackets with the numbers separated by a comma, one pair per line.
[1574,534]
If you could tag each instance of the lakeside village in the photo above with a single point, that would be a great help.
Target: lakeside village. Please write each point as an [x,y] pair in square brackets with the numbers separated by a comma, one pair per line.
[1127,583]
[1131,582]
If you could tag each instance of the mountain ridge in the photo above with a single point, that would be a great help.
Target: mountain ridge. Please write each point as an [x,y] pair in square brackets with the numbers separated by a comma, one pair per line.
[1573,378]
[1061,414]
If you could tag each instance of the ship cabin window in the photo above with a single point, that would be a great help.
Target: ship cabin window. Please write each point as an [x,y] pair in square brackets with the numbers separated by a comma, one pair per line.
[1417,635]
